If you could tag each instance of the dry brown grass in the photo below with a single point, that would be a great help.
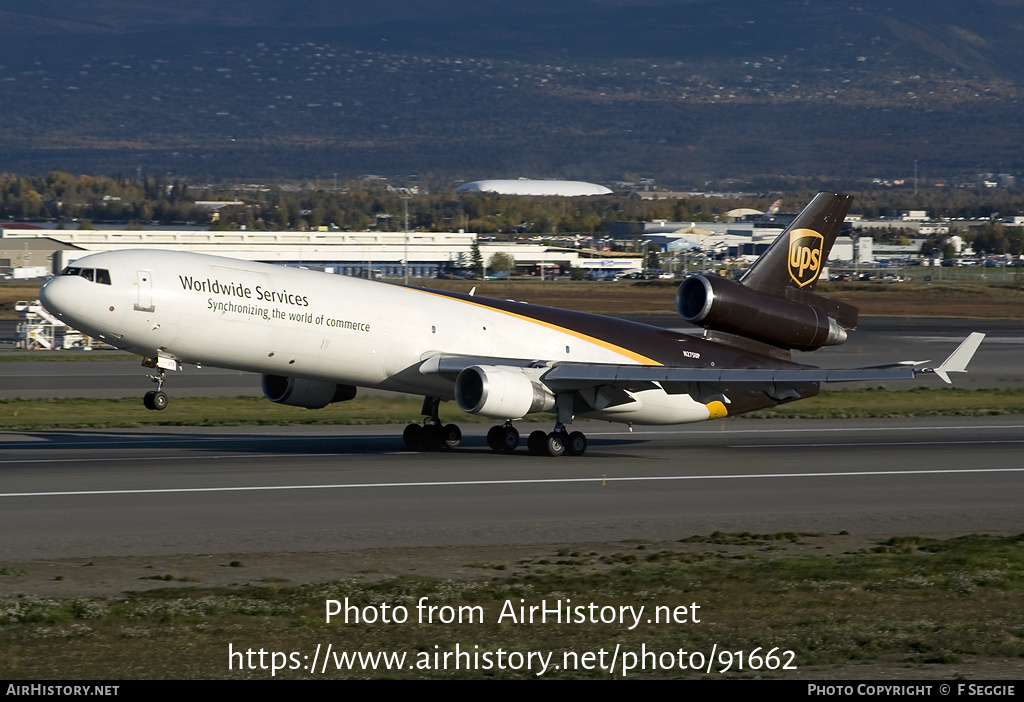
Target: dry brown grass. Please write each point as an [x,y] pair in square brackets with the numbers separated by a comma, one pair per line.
[907,607]
[873,299]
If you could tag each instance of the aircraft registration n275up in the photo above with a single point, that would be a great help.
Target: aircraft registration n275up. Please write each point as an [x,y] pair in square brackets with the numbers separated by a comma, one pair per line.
[317,337]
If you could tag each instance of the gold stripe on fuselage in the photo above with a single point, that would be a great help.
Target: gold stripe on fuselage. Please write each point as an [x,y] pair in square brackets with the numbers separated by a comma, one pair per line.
[622,351]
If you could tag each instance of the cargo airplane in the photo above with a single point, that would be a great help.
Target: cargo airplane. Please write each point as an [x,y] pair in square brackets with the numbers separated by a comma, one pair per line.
[316,337]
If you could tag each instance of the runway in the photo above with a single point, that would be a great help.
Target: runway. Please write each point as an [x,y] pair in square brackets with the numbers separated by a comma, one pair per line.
[203,491]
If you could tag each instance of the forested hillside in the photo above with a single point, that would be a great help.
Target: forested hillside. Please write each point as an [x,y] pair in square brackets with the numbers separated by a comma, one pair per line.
[681,91]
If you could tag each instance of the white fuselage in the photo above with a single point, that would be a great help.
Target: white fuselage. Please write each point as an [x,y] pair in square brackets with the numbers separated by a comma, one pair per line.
[291,322]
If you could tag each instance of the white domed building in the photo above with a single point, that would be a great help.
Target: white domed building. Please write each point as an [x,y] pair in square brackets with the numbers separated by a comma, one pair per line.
[524,186]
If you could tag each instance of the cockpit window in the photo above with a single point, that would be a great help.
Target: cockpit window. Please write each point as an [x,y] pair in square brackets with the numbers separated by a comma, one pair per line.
[97,275]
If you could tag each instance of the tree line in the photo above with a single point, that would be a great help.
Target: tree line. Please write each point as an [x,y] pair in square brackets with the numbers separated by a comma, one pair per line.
[76,200]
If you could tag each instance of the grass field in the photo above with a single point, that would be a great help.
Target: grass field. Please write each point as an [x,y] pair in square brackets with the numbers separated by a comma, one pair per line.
[767,606]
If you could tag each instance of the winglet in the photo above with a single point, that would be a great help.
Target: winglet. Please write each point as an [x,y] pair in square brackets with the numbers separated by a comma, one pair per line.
[958,360]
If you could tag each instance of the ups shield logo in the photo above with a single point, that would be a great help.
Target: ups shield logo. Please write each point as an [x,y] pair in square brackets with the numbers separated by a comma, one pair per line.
[805,254]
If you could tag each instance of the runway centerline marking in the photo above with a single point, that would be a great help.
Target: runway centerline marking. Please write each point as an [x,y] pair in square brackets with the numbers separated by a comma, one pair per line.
[524,481]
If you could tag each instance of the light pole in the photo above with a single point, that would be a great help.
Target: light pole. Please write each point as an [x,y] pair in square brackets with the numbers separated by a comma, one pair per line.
[405,259]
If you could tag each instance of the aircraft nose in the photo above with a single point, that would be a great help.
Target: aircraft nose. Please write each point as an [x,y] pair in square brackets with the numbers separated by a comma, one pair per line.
[56,296]
[74,301]
[91,308]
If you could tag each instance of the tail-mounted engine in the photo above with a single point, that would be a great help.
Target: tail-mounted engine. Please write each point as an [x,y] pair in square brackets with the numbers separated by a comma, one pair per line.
[725,305]
[501,392]
[299,392]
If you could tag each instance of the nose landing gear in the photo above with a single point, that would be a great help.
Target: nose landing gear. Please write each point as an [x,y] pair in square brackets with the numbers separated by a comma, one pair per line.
[157,399]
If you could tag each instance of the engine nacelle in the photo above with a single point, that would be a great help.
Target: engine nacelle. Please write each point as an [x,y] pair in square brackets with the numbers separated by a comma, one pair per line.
[725,305]
[299,392]
[501,392]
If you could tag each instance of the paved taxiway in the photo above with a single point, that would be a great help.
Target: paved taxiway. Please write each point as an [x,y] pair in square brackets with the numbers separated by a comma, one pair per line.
[199,490]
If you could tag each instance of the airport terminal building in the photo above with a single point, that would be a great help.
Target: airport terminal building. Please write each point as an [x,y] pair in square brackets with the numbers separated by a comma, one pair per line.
[361,254]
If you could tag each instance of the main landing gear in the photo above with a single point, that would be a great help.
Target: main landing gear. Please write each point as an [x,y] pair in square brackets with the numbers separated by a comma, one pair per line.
[561,441]
[504,438]
[431,435]
[557,443]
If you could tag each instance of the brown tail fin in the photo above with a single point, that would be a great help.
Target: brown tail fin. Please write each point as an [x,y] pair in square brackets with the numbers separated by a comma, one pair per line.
[796,258]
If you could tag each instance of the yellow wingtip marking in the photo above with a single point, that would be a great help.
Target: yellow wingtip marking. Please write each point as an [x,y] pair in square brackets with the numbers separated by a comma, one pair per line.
[716,410]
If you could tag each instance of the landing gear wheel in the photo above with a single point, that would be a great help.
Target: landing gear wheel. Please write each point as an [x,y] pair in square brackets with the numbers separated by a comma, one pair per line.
[555,443]
[160,400]
[433,437]
[451,435]
[155,400]
[509,439]
[577,445]
[503,438]
[494,438]
[413,437]
[537,443]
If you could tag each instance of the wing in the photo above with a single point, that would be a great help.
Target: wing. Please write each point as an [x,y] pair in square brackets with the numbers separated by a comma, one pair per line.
[574,374]
[564,377]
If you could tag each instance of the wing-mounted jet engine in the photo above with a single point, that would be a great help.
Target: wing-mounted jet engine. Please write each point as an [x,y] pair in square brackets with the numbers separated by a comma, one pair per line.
[300,392]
